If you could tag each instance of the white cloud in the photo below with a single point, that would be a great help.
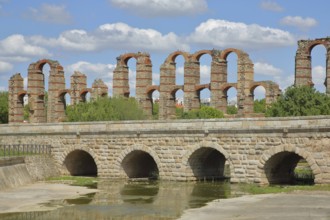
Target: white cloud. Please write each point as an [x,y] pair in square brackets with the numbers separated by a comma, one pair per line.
[114,36]
[49,13]
[275,74]
[299,22]
[205,72]
[17,48]
[284,81]
[266,69]
[156,8]
[92,70]
[271,6]
[5,67]
[222,33]
[318,75]
[259,92]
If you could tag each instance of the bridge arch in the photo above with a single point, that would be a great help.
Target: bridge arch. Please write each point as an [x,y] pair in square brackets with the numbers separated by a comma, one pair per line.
[206,160]
[139,162]
[276,165]
[80,161]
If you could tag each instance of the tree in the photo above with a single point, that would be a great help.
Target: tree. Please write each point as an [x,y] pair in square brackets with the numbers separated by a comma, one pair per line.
[3,107]
[259,106]
[106,109]
[155,110]
[300,101]
[231,109]
[203,113]
[26,114]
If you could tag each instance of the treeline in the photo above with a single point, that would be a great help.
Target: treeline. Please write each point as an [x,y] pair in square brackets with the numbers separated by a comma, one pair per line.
[295,101]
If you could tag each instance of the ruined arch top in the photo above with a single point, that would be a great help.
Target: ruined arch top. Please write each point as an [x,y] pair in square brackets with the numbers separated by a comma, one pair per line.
[303,64]
[37,66]
[239,53]
[306,46]
[171,58]
[123,59]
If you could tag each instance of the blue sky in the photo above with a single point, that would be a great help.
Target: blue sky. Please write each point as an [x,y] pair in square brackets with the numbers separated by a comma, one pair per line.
[88,35]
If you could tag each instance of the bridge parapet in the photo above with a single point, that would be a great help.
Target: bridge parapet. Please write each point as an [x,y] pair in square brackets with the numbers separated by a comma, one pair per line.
[241,125]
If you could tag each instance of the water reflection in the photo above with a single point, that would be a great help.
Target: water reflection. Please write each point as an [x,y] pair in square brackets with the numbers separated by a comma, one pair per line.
[86,199]
[132,200]
[139,192]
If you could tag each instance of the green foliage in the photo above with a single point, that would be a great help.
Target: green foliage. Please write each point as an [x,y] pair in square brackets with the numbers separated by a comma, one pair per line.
[231,109]
[3,107]
[75,180]
[257,189]
[155,110]
[179,112]
[203,113]
[300,101]
[259,106]
[26,112]
[106,109]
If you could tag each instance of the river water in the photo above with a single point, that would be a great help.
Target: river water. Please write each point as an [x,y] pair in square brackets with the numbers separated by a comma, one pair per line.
[133,200]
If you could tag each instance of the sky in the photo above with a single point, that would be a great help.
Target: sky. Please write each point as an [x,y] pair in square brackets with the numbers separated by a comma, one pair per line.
[87,36]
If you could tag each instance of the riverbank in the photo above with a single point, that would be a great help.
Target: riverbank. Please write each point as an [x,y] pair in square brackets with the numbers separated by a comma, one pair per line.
[31,197]
[298,205]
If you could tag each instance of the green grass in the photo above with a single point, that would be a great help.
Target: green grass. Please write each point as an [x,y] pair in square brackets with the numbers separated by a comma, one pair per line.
[255,189]
[15,154]
[75,180]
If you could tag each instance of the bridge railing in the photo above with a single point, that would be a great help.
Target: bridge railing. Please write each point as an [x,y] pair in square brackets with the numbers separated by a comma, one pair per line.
[7,150]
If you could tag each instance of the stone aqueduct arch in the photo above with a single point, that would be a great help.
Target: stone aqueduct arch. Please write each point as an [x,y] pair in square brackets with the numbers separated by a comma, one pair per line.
[218,86]
[303,62]
[54,112]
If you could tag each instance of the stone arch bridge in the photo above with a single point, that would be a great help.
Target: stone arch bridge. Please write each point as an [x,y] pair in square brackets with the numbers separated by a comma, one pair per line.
[246,150]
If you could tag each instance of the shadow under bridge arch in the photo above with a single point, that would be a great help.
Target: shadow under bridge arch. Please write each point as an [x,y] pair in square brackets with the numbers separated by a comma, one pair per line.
[288,168]
[80,163]
[140,164]
[207,163]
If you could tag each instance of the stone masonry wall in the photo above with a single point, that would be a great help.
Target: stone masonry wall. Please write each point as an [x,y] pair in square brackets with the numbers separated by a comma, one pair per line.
[41,167]
[246,144]
[18,171]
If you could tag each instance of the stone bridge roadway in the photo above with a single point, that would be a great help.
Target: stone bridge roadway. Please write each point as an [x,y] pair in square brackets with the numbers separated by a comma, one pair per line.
[246,150]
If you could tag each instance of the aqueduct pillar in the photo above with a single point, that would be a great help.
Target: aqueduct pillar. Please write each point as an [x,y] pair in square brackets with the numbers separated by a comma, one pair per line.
[191,79]
[218,78]
[16,99]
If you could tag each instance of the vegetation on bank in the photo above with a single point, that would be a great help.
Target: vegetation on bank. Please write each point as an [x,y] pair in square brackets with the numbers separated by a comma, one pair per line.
[204,112]
[106,109]
[300,101]
[3,107]
[295,101]
[252,189]
[256,189]
[75,180]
